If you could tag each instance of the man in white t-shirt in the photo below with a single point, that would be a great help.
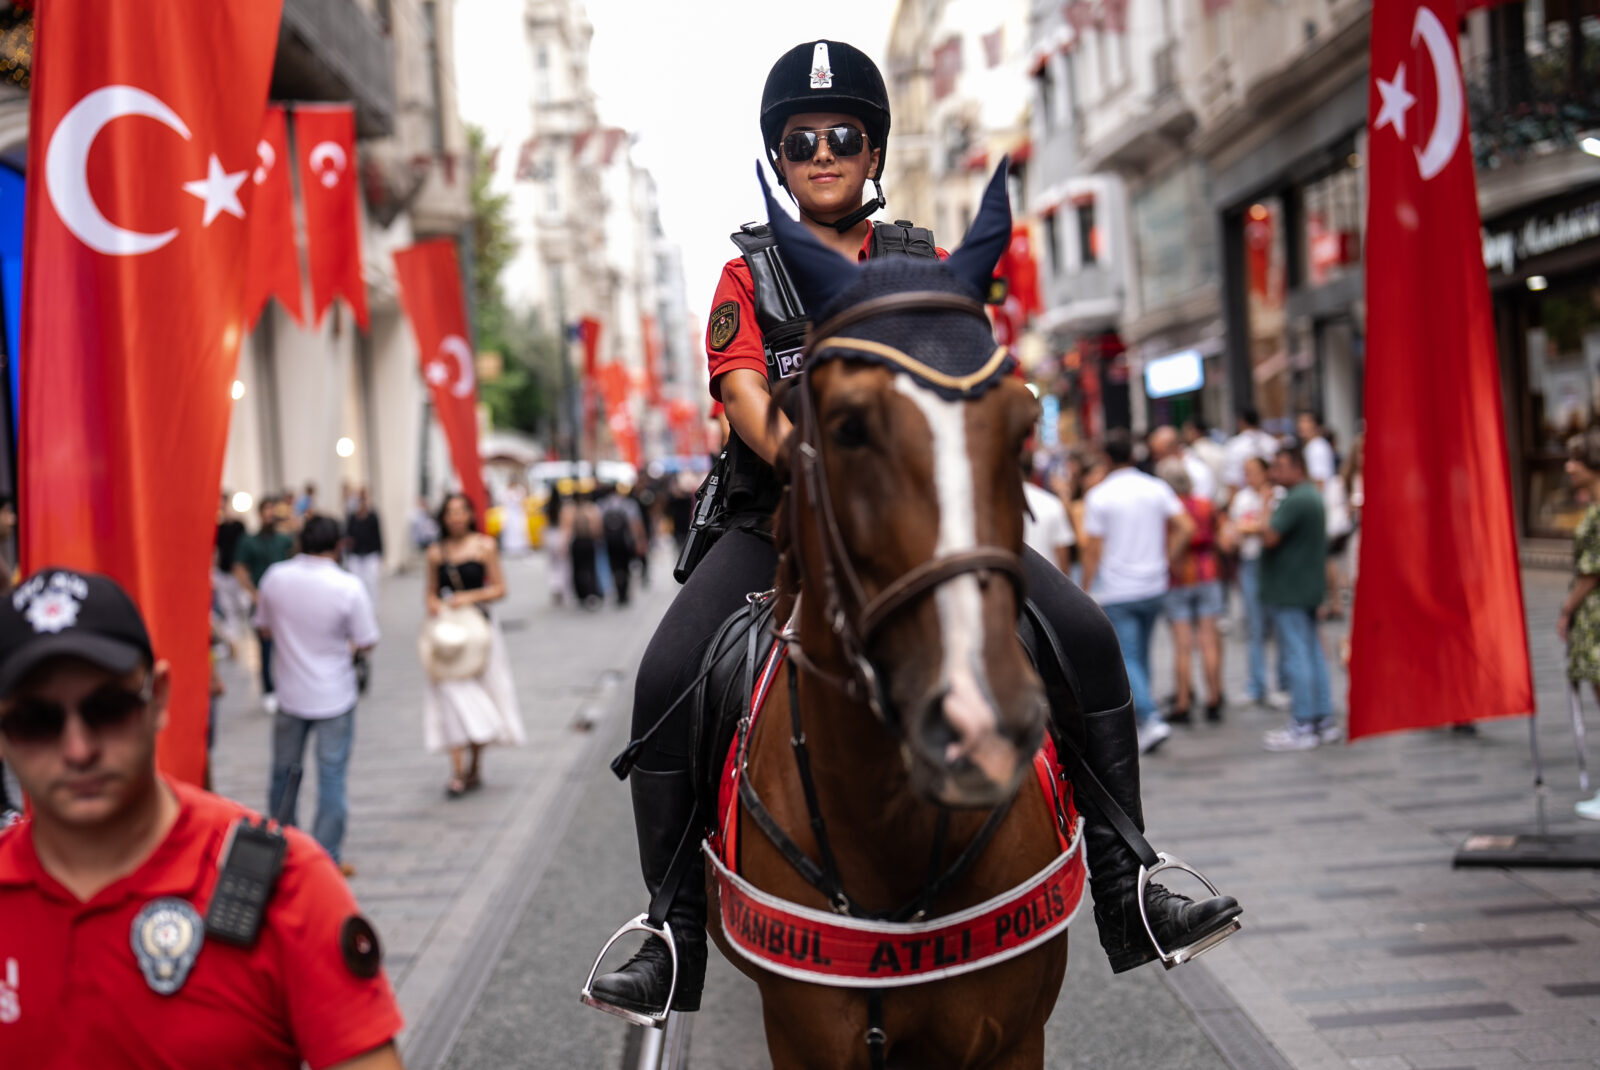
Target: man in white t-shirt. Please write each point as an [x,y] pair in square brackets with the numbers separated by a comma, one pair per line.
[1251,441]
[1047,530]
[1134,526]
[319,617]
[1164,443]
[1320,464]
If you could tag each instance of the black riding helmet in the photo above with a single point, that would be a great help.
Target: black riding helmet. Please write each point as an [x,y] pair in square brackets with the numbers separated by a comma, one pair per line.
[828,76]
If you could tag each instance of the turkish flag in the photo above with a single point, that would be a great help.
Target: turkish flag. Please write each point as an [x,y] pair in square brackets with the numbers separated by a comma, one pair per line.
[1438,635]
[430,289]
[325,141]
[134,267]
[274,258]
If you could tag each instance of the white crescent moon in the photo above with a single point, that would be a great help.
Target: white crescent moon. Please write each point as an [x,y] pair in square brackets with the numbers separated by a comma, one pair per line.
[466,377]
[1447,74]
[325,152]
[66,161]
[268,158]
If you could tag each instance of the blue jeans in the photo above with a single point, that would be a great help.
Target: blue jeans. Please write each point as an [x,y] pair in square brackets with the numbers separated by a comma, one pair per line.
[1255,625]
[1134,622]
[1302,661]
[334,737]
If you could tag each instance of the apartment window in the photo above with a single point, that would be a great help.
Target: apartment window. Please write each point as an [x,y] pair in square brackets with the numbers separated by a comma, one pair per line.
[1052,242]
[541,74]
[430,21]
[1088,235]
[552,186]
[385,12]
[1047,96]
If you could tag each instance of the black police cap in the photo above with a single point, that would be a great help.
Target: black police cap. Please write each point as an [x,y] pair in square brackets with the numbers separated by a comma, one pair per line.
[57,612]
[826,76]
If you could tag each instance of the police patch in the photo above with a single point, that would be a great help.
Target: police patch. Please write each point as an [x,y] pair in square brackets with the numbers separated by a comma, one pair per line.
[724,325]
[358,944]
[167,935]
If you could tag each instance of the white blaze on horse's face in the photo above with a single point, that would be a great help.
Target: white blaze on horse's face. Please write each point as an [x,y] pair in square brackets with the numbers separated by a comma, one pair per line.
[969,705]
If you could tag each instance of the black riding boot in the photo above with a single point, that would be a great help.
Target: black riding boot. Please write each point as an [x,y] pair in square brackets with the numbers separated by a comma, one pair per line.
[663,806]
[1112,752]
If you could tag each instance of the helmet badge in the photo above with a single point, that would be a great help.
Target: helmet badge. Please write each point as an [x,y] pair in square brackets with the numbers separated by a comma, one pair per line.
[821,68]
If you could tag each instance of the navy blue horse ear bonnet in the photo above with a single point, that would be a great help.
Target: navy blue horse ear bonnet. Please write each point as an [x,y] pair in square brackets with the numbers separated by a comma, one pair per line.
[949,350]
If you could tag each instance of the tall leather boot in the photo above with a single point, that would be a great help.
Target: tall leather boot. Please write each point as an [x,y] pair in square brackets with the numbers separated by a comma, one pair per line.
[1112,752]
[663,806]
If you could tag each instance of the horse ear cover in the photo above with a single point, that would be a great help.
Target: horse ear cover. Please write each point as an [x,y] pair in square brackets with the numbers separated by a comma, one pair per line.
[819,273]
[988,236]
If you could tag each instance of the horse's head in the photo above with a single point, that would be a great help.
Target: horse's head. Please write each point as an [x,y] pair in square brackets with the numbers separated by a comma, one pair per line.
[904,521]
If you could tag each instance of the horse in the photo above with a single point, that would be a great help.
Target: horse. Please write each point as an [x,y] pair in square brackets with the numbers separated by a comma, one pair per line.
[890,773]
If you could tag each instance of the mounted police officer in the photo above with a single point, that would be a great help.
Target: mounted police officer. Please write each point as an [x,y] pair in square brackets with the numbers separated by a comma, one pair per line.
[825,124]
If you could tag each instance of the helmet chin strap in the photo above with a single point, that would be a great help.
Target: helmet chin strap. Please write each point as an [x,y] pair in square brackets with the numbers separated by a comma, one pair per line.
[854,217]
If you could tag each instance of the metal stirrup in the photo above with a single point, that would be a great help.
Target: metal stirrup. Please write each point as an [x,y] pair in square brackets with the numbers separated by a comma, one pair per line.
[653,1019]
[1178,956]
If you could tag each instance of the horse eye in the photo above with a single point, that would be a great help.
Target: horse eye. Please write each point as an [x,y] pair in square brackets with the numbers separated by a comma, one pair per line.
[850,432]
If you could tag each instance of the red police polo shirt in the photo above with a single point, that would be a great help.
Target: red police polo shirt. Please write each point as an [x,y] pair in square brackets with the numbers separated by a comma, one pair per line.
[733,338]
[72,994]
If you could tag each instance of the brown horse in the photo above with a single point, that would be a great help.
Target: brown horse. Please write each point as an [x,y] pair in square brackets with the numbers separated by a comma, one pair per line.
[917,705]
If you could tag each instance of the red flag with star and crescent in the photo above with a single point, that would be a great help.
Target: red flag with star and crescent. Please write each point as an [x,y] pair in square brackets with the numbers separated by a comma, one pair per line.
[430,289]
[325,140]
[1438,635]
[274,257]
[134,264]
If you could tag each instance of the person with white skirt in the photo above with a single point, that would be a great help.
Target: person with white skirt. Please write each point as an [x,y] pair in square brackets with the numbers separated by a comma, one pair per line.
[465,711]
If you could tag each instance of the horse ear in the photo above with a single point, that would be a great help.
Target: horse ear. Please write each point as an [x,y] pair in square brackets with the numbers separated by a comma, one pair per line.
[988,236]
[819,273]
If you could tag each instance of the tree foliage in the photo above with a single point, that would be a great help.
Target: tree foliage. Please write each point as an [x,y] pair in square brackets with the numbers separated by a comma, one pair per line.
[524,396]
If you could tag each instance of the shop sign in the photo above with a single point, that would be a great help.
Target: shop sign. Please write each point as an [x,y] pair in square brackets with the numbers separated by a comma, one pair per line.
[1539,235]
[1179,373]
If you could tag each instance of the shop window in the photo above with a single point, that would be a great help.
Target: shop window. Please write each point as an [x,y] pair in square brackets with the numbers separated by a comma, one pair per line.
[1265,285]
[1046,83]
[1052,242]
[1331,220]
[1561,339]
[1533,79]
[1174,235]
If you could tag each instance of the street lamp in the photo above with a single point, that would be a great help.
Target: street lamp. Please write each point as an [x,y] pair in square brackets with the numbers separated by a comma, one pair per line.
[345,447]
[1537,283]
[242,502]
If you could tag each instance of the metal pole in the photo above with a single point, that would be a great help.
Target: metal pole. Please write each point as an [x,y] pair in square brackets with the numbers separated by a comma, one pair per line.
[1579,735]
[1538,775]
[566,411]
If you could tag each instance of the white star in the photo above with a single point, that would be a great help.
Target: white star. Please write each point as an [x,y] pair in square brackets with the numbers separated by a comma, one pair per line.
[437,373]
[1396,102]
[220,191]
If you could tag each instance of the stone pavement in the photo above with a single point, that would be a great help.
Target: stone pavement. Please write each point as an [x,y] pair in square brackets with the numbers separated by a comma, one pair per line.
[443,880]
[1362,947]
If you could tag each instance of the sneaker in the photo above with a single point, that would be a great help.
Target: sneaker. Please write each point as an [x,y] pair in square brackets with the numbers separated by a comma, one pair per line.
[1279,700]
[269,702]
[1296,736]
[1589,808]
[1152,734]
[1328,730]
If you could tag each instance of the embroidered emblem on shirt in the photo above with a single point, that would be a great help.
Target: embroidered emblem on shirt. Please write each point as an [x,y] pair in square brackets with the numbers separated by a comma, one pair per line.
[724,325]
[821,68]
[166,937]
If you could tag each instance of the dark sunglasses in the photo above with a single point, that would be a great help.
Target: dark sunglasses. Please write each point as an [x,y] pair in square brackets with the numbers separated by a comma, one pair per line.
[37,720]
[801,145]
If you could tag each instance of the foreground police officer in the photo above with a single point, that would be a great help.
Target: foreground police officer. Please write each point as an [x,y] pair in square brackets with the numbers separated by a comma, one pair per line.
[825,123]
[148,923]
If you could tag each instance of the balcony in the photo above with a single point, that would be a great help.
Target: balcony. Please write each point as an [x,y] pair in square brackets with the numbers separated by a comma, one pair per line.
[1523,105]
[333,50]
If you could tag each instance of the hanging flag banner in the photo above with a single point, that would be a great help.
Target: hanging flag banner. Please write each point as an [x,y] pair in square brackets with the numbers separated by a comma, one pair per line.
[134,264]
[589,335]
[325,141]
[430,290]
[652,358]
[274,269]
[1438,635]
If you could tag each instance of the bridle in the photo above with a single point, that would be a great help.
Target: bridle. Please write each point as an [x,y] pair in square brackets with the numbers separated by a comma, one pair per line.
[854,617]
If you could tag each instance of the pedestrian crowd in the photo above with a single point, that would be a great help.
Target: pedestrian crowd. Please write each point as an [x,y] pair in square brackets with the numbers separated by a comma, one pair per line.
[1182,526]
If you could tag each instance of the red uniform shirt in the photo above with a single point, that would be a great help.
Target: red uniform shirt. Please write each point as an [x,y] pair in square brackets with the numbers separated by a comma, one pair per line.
[733,337]
[73,996]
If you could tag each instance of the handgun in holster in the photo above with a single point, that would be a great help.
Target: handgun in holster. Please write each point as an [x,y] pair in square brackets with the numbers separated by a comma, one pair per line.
[701,532]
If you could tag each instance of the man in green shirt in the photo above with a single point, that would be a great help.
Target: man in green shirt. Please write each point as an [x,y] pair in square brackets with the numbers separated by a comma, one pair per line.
[1293,584]
[257,553]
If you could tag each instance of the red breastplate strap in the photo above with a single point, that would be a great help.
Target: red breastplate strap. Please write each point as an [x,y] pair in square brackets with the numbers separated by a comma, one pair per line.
[824,947]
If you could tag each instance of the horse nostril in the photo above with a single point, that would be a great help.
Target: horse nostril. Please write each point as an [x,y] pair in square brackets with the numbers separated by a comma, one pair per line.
[935,731]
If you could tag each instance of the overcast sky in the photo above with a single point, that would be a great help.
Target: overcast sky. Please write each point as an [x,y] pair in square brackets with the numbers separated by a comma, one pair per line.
[687,78]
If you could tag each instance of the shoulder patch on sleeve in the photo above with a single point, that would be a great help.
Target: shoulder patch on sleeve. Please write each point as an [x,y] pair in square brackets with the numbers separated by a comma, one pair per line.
[724,325]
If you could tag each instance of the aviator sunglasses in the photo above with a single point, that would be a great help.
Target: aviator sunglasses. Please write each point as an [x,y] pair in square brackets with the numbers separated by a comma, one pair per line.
[38,720]
[801,145]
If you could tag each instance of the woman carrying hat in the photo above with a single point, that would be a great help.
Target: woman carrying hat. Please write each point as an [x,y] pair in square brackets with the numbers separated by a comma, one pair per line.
[825,125]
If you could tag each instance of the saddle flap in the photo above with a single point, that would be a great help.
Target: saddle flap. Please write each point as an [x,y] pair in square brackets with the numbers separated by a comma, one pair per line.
[729,664]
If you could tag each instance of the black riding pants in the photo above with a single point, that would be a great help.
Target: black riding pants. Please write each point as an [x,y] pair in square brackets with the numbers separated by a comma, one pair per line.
[741,563]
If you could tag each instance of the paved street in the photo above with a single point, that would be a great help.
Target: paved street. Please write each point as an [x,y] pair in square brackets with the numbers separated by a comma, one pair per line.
[1362,947]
